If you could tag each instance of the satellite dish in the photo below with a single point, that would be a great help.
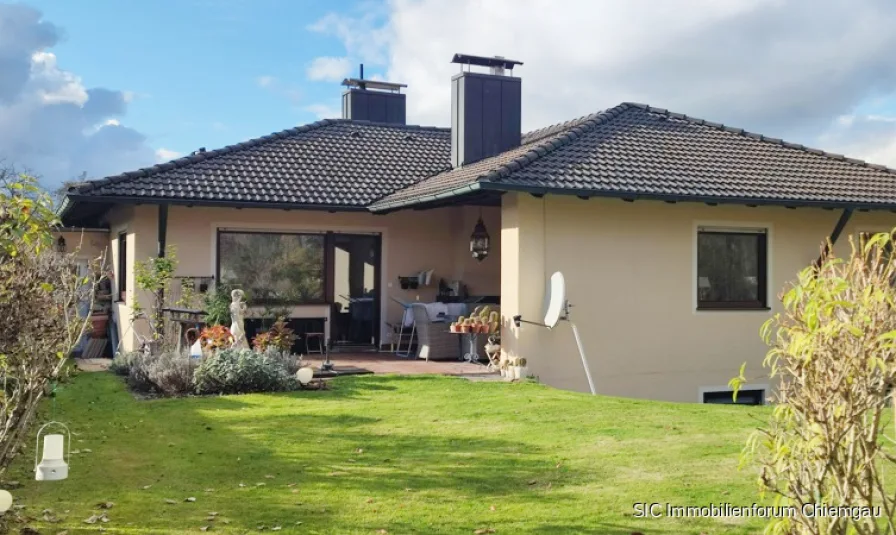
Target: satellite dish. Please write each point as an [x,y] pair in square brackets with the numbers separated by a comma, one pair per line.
[554,299]
[555,309]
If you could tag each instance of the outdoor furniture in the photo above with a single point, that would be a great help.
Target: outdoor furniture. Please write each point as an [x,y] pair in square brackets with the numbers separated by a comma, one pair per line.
[320,342]
[472,355]
[186,320]
[434,339]
[493,352]
[406,323]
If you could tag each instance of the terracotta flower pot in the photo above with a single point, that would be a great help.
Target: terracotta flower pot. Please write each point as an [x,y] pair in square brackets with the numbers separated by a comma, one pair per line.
[464,328]
[99,323]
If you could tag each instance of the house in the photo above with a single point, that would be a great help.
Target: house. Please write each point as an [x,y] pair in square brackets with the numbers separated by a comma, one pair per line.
[675,234]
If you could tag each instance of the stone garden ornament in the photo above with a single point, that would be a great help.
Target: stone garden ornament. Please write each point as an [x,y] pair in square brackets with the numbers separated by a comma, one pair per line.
[237,313]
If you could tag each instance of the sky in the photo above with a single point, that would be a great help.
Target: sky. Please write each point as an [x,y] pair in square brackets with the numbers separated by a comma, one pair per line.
[98,87]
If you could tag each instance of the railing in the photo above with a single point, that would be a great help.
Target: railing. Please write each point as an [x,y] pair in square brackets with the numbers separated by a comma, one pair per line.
[188,292]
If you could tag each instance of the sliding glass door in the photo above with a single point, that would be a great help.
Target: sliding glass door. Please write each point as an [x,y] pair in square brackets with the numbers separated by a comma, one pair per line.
[286,269]
[355,270]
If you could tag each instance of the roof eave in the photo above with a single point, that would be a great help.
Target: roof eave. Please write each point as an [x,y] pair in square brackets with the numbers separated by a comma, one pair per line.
[540,190]
[131,199]
[388,206]
[747,201]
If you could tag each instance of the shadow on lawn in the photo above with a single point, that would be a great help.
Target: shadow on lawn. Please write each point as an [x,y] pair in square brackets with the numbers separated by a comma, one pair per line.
[241,455]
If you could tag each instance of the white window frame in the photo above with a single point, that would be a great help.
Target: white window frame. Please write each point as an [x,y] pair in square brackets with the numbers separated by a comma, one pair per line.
[733,226]
[716,389]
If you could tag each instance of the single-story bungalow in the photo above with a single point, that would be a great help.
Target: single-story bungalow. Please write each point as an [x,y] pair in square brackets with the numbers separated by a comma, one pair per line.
[675,234]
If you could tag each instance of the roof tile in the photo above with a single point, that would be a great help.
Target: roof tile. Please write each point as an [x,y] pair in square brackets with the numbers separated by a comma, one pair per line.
[316,164]
[634,150]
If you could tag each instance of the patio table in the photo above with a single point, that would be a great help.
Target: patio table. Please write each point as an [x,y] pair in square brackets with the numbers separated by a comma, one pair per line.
[471,356]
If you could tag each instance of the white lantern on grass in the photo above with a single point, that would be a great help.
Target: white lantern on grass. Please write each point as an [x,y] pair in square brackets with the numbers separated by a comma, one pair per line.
[53,466]
[5,502]
[304,375]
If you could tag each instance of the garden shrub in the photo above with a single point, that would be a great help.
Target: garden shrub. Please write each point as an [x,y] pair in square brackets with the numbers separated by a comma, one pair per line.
[138,376]
[122,362]
[833,357]
[171,373]
[289,360]
[234,371]
[41,300]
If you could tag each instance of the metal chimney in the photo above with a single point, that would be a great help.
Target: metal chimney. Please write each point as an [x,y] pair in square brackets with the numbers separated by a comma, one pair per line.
[486,109]
[373,100]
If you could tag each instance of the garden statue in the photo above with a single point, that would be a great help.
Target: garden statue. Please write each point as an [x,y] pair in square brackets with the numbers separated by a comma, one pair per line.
[237,313]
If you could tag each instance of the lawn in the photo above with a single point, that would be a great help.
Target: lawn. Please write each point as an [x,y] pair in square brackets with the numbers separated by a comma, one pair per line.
[391,454]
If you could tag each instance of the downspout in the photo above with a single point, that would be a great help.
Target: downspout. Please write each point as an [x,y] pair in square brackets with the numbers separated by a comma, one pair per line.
[163,238]
[835,235]
[163,229]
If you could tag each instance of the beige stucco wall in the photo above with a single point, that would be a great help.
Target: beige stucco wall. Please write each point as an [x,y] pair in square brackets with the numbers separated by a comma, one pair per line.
[139,224]
[630,272]
[412,241]
[86,244]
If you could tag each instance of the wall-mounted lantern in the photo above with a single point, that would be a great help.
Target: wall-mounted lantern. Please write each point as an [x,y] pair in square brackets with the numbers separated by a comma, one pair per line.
[479,241]
[60,245]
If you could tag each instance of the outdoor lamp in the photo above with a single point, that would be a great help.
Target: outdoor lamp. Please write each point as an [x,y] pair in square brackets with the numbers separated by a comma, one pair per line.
[5,501]
[304,375]
[60,245]
[479,241]
[53,465]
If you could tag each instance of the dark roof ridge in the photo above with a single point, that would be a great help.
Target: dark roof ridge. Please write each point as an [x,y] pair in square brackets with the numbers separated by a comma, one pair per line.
[557,137]
[760,137]
[391,125]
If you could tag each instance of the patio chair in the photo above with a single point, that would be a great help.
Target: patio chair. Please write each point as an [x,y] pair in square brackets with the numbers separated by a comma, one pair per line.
[400,329]
[434,339]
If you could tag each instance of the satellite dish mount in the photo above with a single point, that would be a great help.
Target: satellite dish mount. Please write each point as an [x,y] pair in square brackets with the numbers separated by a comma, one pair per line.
[556,308]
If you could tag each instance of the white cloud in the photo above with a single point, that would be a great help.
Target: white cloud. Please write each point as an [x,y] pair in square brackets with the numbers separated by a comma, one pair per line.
[329,69]
[364,36]
[265,81]
[50,122]
[764,65]
[275,86]
[166,155]
[324,111]
[870,137]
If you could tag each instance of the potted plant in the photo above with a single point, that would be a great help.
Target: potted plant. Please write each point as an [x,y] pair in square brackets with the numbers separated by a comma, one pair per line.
[279,336]
[215,337]
[522,371]
[99,321]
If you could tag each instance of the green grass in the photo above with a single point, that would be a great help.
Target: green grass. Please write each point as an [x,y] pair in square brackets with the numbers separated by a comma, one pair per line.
[401,454]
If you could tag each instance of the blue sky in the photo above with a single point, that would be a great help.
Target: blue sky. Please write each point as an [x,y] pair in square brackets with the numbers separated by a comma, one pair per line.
[194,66]
[103,86]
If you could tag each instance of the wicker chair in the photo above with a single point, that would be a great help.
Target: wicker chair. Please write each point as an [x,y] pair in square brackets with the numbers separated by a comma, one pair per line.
[434,339]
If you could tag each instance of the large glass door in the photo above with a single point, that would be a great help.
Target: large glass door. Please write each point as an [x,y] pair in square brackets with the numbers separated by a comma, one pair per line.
[355,268]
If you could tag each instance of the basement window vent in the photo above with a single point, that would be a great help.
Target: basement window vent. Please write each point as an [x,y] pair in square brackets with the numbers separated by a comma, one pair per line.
[746,396]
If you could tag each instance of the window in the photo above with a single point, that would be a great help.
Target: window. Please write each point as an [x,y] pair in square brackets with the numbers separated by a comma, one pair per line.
[744,397]
[731,269]
[122,266]
[273,268]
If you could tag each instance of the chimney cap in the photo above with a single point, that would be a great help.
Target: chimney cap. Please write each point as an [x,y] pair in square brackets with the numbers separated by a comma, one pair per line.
[483,61]
[372,84]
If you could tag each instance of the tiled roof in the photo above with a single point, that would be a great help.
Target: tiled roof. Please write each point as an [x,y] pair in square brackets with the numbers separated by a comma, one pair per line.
[636,151]
[334,162]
